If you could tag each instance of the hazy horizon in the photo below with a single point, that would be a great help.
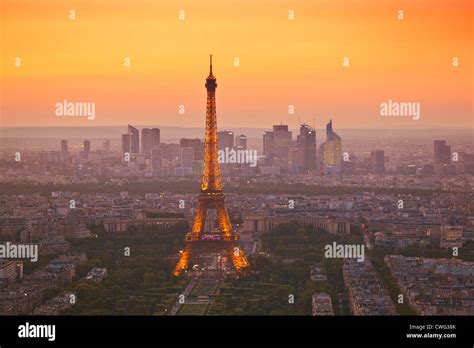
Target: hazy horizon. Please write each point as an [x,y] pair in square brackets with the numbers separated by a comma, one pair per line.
[11,137]
[51,131]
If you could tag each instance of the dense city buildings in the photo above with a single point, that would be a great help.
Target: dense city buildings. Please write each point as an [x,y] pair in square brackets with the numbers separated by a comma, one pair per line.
[367,294]
[324,190]
[170,151]
[10,271]
[25,294]
[322,305]
[392,196]
[197,146]
[435,286]
[404,205]
[57,305]
[360,167]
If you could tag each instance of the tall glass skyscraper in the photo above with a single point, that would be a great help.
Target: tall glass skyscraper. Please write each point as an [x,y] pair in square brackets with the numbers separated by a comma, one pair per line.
[134,139]
[150,139]
[330,151]
[306,148]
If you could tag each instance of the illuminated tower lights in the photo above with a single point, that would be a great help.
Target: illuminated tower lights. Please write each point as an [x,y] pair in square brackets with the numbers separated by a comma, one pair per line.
[211,197]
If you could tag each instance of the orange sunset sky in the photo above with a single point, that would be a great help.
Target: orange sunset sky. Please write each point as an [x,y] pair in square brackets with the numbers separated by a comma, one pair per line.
[282,61]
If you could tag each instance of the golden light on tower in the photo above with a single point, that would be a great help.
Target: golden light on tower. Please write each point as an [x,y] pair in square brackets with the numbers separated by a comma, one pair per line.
[211,197]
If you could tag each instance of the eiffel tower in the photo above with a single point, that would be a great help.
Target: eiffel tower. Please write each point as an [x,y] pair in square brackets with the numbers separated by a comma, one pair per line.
[211,197]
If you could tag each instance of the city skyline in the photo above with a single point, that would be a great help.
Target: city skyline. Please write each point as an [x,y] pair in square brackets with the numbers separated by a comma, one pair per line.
[327,183]
[274,70]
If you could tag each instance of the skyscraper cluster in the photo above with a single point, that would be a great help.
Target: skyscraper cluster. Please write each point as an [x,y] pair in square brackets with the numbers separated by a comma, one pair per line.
[302,156]
[131,140]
